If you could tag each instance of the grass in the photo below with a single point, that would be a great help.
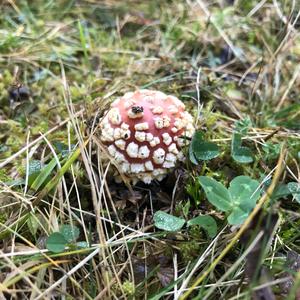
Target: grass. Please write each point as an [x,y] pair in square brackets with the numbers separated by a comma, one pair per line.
[228,61]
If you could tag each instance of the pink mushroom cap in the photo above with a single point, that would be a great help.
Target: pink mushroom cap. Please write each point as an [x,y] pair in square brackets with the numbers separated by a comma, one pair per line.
[144,132]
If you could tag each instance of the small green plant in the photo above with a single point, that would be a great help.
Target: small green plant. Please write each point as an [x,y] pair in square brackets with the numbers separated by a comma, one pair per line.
[193,188]
[237,201]
[202,150]
[284,190]
[128,287]
[167,222]
[208,223]
[239,153]
[63,149]
[57,241]
[294,188]
[271,151]
[43,176]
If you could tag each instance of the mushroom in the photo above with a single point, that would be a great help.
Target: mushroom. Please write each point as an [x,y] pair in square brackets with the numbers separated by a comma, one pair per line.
[144,132]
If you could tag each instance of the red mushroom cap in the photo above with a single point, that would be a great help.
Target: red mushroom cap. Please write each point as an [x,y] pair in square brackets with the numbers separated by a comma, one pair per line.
[144,131]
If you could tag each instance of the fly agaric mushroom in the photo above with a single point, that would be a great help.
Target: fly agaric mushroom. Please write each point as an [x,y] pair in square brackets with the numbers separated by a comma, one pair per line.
[144,132]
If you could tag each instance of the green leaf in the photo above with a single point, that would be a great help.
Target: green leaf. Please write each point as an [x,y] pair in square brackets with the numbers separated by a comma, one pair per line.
[294,188]
[239,153]
[238,200]
[242,126]
[281,191]
[63,149]
[192,156]
[242,155]
[206,151]
[271,150]
[44,173]
[208,223]
[201,150]
[237,216]
[167,222]
[216,193]
[70,233]
[34,167]
[56,242]
[244,192]
[3,148]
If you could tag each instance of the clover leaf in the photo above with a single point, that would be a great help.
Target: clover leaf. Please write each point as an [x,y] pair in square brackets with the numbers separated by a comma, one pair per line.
[237,201]
[241,153]
[165,221]
[201,150]
[294,188]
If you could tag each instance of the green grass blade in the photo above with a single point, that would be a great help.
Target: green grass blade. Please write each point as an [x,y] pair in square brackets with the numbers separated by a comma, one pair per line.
[45,172]
[54,181]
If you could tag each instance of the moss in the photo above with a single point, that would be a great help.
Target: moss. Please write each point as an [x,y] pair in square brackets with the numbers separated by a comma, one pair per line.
[4,177]
[189,250]
[3,217]
[129,288]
